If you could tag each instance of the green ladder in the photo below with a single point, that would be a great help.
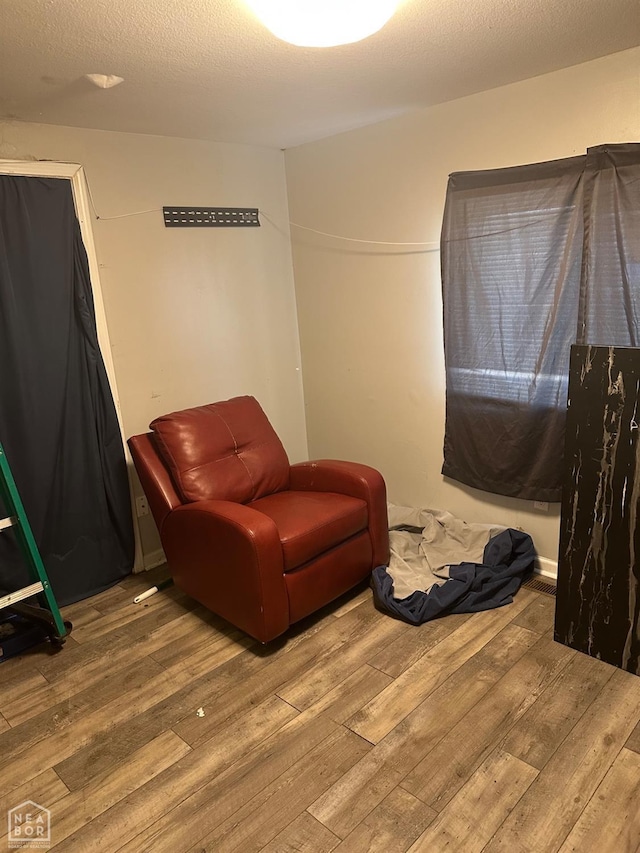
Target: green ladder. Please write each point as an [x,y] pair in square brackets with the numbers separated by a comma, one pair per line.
[49,614]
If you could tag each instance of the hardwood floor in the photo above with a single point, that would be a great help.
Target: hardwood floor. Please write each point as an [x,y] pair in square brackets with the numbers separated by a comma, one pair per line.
[159,727]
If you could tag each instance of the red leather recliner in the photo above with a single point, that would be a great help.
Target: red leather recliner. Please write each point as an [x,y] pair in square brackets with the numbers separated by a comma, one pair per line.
[254,539]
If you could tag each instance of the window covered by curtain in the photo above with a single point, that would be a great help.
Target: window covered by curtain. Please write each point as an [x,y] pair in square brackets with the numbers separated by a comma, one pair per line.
[534,258]
[611,261]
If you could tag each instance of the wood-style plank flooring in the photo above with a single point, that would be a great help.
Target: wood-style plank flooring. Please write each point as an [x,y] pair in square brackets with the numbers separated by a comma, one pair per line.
[159,727]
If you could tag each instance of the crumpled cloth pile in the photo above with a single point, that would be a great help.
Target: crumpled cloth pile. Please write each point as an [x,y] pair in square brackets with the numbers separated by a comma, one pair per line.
[440,564]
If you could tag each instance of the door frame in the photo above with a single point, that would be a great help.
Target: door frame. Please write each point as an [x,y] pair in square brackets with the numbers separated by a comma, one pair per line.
[82,201]
[75,173]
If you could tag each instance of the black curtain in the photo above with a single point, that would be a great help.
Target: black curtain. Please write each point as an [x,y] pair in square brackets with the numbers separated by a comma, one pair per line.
[58,423]
[534,259]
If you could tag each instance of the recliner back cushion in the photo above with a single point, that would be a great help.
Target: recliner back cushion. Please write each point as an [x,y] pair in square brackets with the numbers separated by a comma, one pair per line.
[222,451]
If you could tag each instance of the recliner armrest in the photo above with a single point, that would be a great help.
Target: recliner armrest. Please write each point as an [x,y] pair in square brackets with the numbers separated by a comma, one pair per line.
[229,557]
[356,480]
[335,475]
[154,477]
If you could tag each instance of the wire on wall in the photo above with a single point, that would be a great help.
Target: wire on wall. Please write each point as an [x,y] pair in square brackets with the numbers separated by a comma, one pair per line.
[430,244]
[428,247]
[119,215]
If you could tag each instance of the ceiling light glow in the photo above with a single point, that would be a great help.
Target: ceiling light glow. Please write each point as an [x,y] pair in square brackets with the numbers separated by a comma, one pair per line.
[323,23]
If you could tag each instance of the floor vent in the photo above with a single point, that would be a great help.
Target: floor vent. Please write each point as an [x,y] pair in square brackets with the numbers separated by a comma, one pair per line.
[537,585]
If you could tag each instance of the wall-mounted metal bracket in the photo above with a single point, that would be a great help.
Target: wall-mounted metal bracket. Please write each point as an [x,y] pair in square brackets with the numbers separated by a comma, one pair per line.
[211,217]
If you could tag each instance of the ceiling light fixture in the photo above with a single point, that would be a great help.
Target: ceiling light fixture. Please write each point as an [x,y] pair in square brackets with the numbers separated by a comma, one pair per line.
[323,23]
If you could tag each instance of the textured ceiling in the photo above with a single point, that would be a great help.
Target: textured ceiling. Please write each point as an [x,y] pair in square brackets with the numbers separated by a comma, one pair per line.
[207,69]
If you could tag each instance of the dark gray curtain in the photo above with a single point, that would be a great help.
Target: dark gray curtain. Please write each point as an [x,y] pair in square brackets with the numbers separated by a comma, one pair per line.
[611,260]
[58,423]
[534,258]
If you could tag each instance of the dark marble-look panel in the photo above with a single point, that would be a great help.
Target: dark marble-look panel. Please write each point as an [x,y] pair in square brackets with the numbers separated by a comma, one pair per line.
[598,595]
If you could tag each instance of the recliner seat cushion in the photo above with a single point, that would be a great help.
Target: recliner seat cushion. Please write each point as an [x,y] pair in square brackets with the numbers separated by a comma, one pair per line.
[310,523]
[222,451]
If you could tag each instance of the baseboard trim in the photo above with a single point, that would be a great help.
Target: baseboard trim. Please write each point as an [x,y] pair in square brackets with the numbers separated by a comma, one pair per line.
[547,568]
[154,559]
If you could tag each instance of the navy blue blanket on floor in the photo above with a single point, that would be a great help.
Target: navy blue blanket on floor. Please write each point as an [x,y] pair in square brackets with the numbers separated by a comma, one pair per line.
[508,560]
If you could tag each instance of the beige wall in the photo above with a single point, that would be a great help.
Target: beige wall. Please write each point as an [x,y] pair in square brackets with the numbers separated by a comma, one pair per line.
[371,317]
[194,315]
